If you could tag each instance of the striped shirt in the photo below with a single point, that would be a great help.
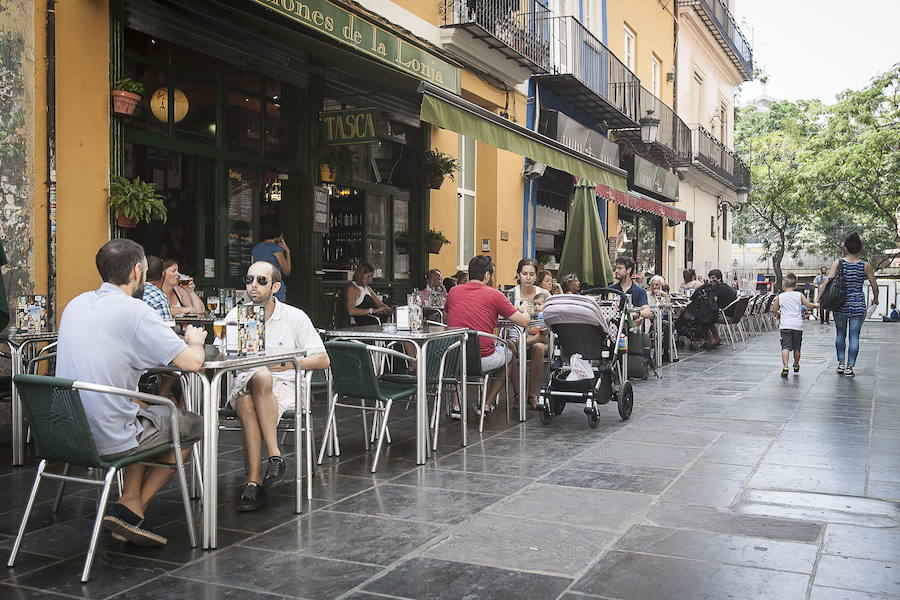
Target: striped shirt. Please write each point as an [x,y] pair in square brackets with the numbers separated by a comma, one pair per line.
[854,277]
[157,300]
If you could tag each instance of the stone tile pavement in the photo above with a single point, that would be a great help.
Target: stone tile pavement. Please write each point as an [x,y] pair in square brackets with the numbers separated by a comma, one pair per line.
[728,482]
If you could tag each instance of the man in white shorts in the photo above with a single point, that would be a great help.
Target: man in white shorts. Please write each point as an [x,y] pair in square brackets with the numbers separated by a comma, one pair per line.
[260,396]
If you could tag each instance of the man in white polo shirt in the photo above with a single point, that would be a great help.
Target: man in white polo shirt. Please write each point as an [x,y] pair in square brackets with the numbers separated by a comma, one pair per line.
[111,337]
[260,396]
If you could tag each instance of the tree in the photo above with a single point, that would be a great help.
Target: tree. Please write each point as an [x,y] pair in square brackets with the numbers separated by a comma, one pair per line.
[854,171]
[776,144]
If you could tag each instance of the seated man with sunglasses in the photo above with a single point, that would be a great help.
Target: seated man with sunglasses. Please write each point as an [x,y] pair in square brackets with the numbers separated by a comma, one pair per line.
[260,396]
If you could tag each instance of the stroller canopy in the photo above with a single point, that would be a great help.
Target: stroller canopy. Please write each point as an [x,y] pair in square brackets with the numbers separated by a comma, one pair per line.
[577,310]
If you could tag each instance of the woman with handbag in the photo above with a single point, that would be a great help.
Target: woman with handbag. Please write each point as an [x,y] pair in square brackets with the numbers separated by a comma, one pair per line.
[843,294]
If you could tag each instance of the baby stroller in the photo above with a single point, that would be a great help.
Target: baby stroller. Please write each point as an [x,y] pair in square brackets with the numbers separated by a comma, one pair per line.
[589,325]
[698,316]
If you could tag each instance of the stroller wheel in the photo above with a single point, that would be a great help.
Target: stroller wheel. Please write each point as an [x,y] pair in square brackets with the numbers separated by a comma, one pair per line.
[626,400]
[546,417]
[593,419]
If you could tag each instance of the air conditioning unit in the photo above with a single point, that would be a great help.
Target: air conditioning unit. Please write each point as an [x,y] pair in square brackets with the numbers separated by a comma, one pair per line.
[533,170]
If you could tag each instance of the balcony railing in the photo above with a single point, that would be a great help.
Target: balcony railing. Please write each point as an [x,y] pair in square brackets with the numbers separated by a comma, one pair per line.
[721,24]
[585,72]
[717,161]
[519,29]
[673,141]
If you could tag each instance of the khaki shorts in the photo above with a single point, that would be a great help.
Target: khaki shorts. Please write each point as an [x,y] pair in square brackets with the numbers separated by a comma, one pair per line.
[156,421]
[283,390]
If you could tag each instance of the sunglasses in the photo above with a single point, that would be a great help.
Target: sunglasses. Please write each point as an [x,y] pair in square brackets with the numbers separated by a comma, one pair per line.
[260,279]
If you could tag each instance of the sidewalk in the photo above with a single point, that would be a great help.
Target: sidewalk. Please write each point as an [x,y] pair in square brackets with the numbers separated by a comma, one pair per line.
[728,482]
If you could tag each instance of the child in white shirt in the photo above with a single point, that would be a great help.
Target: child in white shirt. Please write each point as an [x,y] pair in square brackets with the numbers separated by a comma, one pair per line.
[788,307]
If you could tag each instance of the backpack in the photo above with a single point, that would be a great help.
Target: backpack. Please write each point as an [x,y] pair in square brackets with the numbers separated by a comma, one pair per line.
[835,290]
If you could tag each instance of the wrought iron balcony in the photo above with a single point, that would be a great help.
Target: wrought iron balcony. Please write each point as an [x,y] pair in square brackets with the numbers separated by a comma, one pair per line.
[588,75]
[717,161]
[716,16]
[518,29]
[673,141]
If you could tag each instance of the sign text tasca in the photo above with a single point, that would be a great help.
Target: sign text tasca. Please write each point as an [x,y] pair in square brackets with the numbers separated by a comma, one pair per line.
[353,31]
[351,126]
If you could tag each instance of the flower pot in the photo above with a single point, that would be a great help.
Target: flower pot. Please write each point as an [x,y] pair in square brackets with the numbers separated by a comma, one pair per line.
[327,173]
[435,181]
[434,246]
[125,222]
[124,102]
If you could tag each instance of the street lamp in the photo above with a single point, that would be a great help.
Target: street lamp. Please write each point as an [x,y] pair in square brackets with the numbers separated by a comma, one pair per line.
[741,192]
[649,127]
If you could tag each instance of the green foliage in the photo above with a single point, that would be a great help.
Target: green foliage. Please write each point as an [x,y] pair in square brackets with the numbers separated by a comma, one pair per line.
[439,163]
[136,199]
[128,84]
[434,234]
[820,172]
[339,157]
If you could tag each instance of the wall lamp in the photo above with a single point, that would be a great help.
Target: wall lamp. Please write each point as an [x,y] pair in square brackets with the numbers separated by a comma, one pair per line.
[649,127]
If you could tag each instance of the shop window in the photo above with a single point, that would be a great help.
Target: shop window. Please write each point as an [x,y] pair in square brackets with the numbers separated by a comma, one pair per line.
[244,80]
[194,62]
[641,240]
[466,202]
[243,119]
[148,46]
[144,117]
[191,105]
[276,132]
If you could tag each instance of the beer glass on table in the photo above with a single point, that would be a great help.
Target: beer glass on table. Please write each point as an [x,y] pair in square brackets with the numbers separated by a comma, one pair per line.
[212,304]
[219,332]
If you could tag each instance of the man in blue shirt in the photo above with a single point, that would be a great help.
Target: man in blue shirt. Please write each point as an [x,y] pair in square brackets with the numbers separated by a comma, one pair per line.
[111,337]
[624,268]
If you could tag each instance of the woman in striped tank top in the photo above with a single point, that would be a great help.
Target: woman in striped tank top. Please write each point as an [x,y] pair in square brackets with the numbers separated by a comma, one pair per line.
[848,319]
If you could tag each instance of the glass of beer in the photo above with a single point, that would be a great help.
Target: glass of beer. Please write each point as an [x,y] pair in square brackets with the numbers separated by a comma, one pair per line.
[212,303]
[219,332]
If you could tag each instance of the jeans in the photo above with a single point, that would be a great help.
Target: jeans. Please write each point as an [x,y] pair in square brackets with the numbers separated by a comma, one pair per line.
[841,322]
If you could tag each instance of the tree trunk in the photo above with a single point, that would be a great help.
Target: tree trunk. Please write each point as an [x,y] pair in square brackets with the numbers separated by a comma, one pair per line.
[776,262]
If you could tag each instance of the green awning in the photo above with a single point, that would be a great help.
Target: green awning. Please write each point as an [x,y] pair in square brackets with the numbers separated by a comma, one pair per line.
[584,249]
[449,111]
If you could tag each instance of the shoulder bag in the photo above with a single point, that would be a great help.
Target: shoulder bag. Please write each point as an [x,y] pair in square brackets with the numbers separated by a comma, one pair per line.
[835,290]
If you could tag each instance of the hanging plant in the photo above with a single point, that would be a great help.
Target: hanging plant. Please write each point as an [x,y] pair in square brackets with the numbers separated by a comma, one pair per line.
[334,160]
[434,241]
[126,94]
[436,165]
[135,201]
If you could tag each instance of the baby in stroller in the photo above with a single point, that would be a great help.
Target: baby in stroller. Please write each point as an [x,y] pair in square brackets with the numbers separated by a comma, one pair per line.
[697,317]
[594,327]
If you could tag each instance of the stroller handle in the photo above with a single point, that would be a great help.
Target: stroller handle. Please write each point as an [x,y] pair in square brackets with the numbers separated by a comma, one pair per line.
[623,297]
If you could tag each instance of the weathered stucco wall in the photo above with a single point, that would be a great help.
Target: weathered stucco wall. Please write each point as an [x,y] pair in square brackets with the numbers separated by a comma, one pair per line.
[17,144]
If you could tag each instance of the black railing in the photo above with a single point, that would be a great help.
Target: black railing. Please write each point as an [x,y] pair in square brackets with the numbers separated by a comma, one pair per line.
[522,25]
[577,52]
[741,173]
[715,157]
[673,133]
[720,17]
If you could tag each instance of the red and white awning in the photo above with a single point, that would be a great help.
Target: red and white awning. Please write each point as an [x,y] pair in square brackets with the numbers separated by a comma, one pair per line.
[641,203]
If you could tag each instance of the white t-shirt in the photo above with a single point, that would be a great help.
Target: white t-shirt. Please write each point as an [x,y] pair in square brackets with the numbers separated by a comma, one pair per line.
[789,304]
[108,337]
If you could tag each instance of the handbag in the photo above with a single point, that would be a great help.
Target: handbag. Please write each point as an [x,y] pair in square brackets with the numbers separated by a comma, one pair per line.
[835,290]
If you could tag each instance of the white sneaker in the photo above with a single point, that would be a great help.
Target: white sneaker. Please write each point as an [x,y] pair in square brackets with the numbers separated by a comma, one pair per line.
[848,372]
[455,413]
[841,369]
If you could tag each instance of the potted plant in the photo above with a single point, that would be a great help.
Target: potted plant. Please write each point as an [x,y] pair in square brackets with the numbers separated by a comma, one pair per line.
[135,201]
[434,241]
[333,160]
[437,165]
[126,94]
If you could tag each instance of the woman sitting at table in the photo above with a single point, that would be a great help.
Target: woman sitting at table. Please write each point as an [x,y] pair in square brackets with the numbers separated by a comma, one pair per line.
[546,282]
[537,339]
[657,283]
[179,289]
[363,304]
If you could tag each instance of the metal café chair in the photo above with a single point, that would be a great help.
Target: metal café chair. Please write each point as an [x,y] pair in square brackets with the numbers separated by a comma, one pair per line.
[353,376]
[62,434]
[734,321]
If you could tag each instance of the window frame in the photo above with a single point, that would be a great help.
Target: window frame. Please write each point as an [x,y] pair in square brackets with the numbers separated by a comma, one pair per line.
[629,46]
[655,75]
[463,236]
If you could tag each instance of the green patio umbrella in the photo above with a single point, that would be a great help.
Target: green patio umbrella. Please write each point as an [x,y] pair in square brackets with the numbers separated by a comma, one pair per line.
[584,250]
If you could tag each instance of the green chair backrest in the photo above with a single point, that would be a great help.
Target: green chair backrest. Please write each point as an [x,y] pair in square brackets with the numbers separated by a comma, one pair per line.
[434,353]
[352,372]
[57,420]
[473,356]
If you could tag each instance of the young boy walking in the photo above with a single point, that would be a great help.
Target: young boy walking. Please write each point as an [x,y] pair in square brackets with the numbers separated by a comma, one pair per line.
[788,307]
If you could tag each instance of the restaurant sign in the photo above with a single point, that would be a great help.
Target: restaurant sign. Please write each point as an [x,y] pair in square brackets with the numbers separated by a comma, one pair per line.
[654,181]
[351,126]
[351,30]
[576,136]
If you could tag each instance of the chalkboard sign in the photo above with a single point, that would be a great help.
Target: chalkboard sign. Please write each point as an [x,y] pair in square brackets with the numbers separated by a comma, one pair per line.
[320,209]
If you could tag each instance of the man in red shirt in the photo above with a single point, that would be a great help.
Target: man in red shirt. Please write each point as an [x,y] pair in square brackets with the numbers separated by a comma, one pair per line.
[478,306]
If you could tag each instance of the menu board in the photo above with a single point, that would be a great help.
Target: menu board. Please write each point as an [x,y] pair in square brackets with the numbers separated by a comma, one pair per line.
[239,253]
[240,196]
[31,314]
[320,209]
[251,328]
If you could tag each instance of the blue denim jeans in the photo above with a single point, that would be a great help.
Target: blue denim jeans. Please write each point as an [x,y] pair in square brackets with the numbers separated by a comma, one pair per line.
[843,323]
